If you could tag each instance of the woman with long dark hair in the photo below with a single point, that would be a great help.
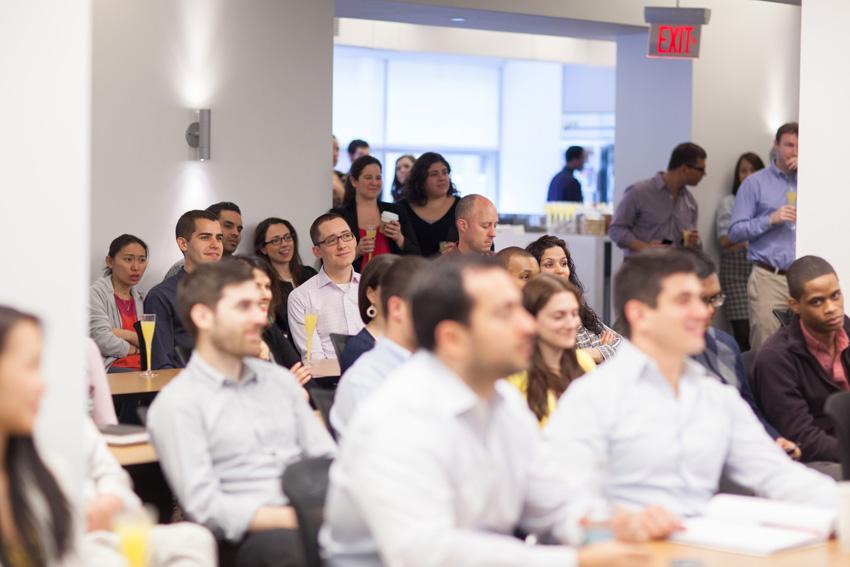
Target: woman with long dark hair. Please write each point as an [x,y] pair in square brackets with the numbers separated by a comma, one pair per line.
[734,267]
[555,362]
[115,303]
[276,241]
[403,165]
[380,227]
[35,517]
[554,258]
[430,200]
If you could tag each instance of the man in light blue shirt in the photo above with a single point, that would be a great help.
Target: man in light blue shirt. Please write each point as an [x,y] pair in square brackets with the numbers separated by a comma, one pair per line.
[765,214]
[651,426]
[229,424]
[390,351]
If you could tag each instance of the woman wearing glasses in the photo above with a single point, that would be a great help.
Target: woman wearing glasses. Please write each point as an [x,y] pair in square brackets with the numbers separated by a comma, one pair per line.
[380,227]
[276,240]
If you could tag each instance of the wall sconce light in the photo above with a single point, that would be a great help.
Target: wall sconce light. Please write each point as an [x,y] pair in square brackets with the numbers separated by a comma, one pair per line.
[198,134]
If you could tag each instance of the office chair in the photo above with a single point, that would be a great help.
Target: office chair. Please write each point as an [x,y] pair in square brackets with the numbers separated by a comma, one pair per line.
[305,484]
[837,407]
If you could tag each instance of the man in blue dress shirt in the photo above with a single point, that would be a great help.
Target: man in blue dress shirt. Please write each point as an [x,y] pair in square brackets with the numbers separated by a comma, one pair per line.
[765,215]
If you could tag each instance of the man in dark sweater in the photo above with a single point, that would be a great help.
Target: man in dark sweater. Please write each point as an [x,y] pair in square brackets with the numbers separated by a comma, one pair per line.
[804,363]
[199,237]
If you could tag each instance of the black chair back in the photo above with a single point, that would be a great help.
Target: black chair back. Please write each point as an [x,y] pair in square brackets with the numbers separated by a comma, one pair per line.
[784,316]
[339,342]
[837,407]
[305,484]
[323,400]
[183,355]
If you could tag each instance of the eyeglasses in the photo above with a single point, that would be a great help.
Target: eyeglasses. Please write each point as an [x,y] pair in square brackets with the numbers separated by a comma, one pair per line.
[332,240]
[698,168]
[277,240]
[715,301]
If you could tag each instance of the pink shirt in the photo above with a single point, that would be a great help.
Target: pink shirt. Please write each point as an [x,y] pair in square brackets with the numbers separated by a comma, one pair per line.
[833,366]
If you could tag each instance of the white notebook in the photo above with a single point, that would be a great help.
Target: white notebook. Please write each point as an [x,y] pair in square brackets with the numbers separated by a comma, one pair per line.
[756,526]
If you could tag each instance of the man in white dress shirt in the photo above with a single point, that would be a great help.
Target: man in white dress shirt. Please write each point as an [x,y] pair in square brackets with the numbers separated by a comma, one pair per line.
[443,463]
[391,350]
[651,427]
[331,295]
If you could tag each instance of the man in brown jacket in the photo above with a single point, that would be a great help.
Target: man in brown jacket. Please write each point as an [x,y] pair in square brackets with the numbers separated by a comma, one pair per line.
[804,363]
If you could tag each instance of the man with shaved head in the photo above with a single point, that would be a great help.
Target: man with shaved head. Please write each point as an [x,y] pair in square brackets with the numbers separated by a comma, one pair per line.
[476,219]
[804,363]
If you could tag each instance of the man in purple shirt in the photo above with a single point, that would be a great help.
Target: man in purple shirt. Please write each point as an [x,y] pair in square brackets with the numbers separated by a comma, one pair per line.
[765,214]
[661,210]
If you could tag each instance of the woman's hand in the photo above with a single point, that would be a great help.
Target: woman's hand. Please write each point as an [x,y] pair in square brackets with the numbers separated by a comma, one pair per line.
[392,230]
[365,247]
[301,372]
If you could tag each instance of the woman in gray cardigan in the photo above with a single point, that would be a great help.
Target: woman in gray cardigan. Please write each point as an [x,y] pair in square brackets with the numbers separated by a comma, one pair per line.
[115,303]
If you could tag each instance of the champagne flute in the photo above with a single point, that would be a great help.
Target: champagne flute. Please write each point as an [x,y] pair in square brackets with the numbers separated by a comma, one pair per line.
[310,322]
[792,200]
[148,328]
[371,232]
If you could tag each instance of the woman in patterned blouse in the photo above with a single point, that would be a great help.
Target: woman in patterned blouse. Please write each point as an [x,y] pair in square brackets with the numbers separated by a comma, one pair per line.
[594,337]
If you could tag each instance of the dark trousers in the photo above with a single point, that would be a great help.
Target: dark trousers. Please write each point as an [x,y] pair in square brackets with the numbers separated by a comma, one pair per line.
[272,548]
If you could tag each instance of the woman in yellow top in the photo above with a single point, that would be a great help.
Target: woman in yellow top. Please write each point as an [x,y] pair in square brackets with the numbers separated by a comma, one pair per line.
[556,362]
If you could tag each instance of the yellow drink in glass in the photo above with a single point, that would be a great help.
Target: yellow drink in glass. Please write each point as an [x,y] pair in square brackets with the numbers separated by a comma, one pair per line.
[148,323]
[371,232]
[792,198]
[310,322]
[133,529]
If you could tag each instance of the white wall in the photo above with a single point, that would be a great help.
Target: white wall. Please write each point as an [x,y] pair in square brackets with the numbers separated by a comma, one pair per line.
[44,173]
[824,121]
[263,67]
[531,134]
[434,39]
[746,84]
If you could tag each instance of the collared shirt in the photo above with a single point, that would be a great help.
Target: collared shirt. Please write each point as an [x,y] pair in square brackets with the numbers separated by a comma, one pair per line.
[586,339]
[648,212]
[832,365]
[223,444]
[722,358]
[432,474]
[336,307]
[759,196]
[363,378]
[169,333]
[622,435]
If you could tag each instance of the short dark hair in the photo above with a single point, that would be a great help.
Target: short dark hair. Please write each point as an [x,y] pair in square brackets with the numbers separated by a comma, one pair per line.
[371,277]
[573,152]
[355,145]
[354,173]
[439,294]
[787,128]
[186,222]
[641,276]
[505,255]
[414,189]
[216,208]
[206,284]
[315,235]
[802,271]
[119,243]
[397,279]
[703,264]
[686,153]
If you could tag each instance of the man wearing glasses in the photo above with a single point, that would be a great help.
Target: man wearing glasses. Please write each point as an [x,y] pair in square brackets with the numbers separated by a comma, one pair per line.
[661,210]
[331,295]
[722,357]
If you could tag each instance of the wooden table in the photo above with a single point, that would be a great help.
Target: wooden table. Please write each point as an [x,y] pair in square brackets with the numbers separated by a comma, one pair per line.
[666,554]
[138,454]
[121,383]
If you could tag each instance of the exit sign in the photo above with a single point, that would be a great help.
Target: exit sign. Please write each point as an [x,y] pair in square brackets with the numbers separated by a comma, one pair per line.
[680,41]
[675,32]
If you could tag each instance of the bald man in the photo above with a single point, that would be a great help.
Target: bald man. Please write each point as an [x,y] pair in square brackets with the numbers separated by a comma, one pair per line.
[476,219]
